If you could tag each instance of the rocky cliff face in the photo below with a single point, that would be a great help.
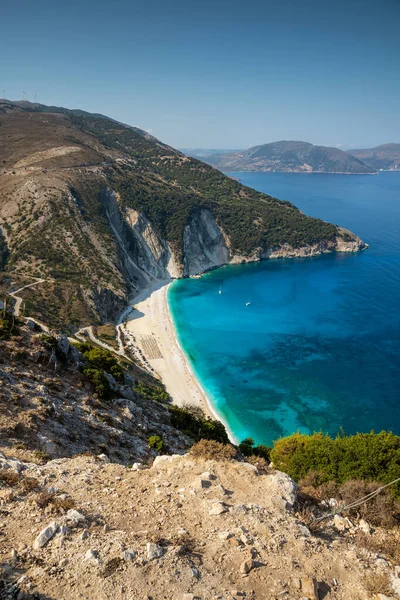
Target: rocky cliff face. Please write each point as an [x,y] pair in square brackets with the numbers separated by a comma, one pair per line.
[146,257]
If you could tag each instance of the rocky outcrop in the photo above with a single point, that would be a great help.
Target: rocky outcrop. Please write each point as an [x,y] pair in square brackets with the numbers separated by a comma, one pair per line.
[144,256]
[147,258]
[156,533]
[204,245]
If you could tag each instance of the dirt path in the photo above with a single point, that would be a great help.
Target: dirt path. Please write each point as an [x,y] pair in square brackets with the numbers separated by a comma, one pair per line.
[19,300]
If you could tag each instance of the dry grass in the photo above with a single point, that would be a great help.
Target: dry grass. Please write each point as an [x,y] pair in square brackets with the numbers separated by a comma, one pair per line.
[386,543]
[59,505]
[381,511]
[9,477]
[212,450]
[377,583]
[259,462]
[28,484]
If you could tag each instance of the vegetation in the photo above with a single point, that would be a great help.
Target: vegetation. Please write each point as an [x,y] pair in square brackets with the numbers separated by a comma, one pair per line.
[168,188]
[212,450]
[365,456]
[8,326]
[247,448]
[4,252]
[156,442]
[152,392]
[97,362]
[197,427]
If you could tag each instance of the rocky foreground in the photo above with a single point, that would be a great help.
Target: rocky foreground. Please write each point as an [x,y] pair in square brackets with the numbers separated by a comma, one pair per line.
[188,527]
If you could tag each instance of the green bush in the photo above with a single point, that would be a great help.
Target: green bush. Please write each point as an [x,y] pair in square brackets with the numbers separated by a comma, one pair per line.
[8,326]
[247,448]
[103,359]
[156,442]
[99,380]
[198,427]
[365,456]
[154,392]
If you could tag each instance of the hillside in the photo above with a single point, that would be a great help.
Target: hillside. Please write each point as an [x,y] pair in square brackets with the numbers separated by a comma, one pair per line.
[96,210]
[386,157]
[291,157]
[92,508]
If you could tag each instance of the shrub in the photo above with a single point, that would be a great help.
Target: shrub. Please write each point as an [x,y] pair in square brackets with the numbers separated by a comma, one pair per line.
[156,442]
[212,450]
[154,392]
[8,326]
[247,448]
[99,381]
[197,427]
[103,359]
[365,456]
[9,477]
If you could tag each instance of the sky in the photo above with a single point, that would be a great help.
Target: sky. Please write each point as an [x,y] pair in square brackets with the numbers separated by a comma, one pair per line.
[213,73]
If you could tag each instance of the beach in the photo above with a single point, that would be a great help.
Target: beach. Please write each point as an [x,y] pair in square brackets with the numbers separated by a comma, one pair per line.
[149,325]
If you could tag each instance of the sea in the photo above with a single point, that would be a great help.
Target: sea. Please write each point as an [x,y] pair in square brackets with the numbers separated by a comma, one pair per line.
[307,344]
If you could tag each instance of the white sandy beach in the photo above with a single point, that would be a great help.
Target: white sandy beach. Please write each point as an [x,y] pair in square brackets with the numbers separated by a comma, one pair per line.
[150,323]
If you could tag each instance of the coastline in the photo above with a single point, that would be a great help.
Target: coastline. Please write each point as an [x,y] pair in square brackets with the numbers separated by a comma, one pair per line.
[149,323]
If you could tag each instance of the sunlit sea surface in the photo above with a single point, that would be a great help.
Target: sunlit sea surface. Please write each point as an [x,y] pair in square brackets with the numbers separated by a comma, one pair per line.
[318,347]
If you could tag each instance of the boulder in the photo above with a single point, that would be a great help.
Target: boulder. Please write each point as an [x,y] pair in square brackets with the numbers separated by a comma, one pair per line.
[45,535]
[154,551]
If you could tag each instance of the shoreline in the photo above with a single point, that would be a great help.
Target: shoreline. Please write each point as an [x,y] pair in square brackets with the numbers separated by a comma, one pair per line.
[149,324]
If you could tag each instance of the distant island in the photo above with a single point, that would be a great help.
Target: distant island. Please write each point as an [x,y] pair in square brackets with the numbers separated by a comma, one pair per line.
[382,158]
[301,157]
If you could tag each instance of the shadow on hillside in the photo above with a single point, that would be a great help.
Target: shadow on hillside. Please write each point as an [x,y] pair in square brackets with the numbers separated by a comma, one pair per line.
[9,588]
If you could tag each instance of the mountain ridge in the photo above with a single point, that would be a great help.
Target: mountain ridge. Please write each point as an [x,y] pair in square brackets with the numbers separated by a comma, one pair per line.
[384,156]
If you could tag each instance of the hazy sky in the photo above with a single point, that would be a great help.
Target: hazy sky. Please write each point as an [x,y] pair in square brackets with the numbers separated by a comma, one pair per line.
[213,73]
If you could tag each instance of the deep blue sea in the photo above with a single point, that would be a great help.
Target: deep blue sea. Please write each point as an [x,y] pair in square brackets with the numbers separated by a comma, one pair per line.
[318,348]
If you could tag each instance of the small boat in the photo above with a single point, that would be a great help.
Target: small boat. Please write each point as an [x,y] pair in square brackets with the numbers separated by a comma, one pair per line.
[220,289]
[248,302]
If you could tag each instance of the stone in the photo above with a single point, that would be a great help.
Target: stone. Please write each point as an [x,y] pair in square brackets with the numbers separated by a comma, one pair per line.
[154,551]
[287,488]
[396,584]
[204,483]
[138,466]
[92,556]
[246,567]
[45,535]
[309,587]
[129,554]
[75,518]
[304,531]
[85,535]
[217,508]
[364,527]
[341,524]
[104,458]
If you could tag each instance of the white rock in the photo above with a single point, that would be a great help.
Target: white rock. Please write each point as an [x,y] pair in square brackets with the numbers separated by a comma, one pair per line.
[341,524]
[104,458]
[45,535]
[286,487]
[85,535]
[138,466]
[92,556]
[217,508]
[75,517]
[396,584]
[165,458]
[154,551]
[364,526]
[129,554]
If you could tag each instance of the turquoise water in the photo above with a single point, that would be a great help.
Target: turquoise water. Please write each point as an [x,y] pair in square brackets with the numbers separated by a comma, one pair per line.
[318,348]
